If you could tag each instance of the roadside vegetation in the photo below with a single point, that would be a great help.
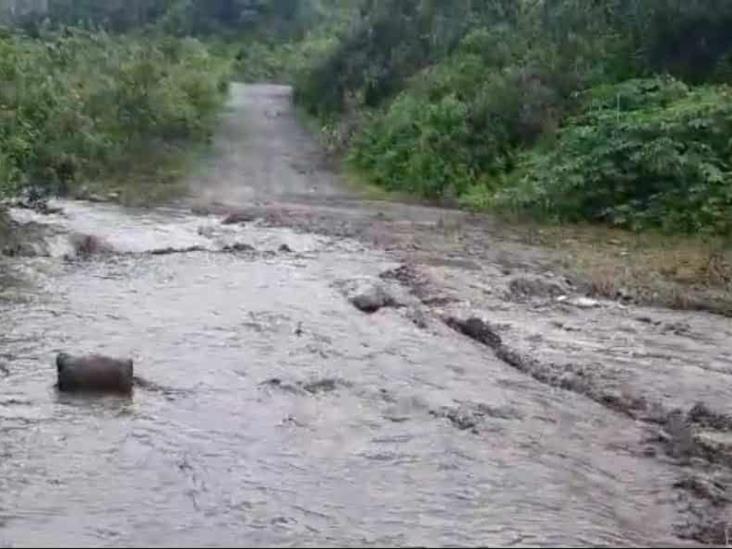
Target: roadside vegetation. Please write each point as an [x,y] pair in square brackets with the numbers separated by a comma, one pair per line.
[108,96]
[79,107]
[116,97]
[613,112]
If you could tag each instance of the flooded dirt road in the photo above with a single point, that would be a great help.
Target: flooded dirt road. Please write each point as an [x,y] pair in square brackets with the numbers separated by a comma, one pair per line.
[486,401]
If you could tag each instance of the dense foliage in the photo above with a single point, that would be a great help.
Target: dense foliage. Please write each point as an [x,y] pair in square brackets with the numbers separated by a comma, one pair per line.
[267,54]
[77,105]
[499,104]
[614,111]
[91,88]
[653,153]
[457,124]
[279,19]
[389,41]
[271,18]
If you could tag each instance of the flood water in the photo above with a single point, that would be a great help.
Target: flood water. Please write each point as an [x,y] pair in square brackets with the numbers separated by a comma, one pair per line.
[276,413]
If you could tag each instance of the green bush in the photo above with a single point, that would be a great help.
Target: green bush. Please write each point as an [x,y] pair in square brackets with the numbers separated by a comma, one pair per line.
[387,43]
[461,123]
[282,62]
[282,39]
[75,105]
[417,147]
[648,153]
[555,106]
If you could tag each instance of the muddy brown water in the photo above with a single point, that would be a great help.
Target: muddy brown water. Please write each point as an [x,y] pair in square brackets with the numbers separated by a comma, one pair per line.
[274,412]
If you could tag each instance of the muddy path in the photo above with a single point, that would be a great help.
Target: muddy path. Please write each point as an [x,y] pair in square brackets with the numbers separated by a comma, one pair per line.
[322,370]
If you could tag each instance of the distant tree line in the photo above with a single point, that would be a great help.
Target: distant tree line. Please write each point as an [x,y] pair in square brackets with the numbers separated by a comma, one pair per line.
[284,18]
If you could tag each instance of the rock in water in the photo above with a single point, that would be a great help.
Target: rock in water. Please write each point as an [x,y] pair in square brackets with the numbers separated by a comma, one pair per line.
[369,294]
[371,298]
[94,373]
[85,246]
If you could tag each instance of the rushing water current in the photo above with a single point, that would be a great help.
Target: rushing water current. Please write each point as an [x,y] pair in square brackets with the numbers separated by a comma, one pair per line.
[273,412]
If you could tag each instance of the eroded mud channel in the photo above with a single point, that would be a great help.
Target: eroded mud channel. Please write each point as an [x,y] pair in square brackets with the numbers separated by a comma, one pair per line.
[323,372]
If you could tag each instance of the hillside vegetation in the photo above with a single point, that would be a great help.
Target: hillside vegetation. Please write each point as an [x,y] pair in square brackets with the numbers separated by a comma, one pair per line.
[607,111]
[78,106]
[612,111]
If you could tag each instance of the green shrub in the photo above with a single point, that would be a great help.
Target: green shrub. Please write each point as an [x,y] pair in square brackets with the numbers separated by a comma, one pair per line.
[459,124]
[649,153]
[75,105]
[417,147]
[554,106]
[389,42]
[258,61]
